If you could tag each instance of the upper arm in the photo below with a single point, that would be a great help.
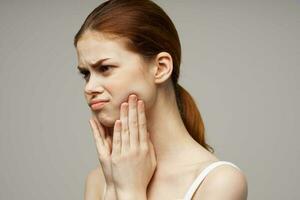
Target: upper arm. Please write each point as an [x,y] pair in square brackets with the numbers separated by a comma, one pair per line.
[94,185]
[226,183]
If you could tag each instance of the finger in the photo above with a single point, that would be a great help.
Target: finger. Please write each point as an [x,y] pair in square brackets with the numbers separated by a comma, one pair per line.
[100,127]
[143,134]
[125,131]
[97,138]
[103,132]
[116,149]
[133,121]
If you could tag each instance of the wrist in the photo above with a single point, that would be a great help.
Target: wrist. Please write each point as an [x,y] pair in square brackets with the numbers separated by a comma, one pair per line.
[110,193]
[131,195]
[110,187]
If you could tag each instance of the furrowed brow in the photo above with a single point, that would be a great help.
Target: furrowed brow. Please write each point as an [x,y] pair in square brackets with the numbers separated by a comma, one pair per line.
[93,65]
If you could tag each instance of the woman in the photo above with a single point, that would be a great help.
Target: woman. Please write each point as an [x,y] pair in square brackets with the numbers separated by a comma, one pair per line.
[148,131]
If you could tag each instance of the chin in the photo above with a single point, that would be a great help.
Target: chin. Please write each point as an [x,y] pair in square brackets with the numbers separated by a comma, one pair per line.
[107,121]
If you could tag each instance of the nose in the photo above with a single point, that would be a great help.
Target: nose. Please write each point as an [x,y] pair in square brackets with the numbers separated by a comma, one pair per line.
[94,85]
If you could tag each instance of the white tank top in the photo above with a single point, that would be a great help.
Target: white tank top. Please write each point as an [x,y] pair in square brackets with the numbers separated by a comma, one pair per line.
[202,175]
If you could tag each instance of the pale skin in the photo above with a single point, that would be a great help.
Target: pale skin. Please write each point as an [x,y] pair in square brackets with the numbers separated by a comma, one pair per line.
[159,161]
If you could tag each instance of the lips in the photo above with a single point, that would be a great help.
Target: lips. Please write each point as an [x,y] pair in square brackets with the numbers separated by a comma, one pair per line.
[97,104]
[96,101]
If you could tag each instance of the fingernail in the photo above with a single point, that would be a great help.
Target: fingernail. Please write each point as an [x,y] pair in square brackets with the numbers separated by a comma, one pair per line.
[140,102]
[133,97]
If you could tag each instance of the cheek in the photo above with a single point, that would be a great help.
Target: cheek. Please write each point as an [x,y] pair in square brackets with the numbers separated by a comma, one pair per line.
[118,90]
[121,89]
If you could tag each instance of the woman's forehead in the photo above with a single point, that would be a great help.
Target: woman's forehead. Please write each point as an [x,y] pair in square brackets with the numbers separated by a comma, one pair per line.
[94,42]
[93,38]
[92,48]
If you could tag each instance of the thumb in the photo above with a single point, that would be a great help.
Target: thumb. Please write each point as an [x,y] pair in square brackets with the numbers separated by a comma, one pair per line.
[104,134]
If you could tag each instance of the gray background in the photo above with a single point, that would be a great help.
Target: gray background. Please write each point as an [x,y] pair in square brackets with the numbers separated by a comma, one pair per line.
[240,62]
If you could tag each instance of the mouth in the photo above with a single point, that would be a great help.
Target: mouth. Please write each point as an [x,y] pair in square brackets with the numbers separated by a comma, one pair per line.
[98,105]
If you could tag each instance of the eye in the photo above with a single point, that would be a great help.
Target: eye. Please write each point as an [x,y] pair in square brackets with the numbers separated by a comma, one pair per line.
[104,68]
[83,74]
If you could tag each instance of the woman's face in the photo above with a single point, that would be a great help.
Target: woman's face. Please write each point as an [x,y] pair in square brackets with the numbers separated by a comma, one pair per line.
[121,73]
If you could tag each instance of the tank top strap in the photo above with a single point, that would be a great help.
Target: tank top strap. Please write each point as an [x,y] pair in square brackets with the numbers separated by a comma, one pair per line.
[192,189]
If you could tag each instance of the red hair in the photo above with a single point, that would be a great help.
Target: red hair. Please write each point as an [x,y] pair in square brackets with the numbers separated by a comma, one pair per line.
[148,31]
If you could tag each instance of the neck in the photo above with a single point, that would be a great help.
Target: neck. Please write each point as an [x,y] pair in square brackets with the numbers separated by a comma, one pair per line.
[170,138]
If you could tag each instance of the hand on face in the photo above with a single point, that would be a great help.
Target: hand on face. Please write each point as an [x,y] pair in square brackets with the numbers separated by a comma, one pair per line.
[128,161]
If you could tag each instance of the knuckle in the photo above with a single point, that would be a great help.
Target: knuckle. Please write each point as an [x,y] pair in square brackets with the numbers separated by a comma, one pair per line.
[144,148]
[134,123]
[142,124]
[117,140]
[125,139]
[125,129]
[115,160]
[134,151]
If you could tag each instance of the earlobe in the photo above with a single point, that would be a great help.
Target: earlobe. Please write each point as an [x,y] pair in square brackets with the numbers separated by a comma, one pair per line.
[163,67]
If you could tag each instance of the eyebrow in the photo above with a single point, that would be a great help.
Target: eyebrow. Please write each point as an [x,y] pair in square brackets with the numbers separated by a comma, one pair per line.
[93,65]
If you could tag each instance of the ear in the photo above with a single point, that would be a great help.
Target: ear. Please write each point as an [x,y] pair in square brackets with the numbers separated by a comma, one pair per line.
[163,67]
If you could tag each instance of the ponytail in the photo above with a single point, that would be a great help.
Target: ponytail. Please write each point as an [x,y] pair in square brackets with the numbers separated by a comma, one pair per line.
[191,116]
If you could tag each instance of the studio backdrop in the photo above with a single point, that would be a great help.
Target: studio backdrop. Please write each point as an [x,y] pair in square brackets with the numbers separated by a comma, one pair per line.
[240,62]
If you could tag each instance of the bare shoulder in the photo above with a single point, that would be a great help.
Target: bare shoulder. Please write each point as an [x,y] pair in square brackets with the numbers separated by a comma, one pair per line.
[224,182]
[94,184]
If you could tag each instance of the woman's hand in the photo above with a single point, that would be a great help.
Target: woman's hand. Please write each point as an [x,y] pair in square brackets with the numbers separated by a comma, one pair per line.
[104,147]
[129,161]
[133,156]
